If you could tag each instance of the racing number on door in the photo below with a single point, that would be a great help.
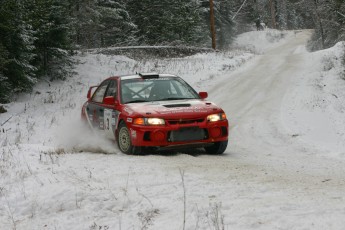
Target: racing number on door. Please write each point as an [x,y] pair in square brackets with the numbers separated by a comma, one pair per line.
[110,121]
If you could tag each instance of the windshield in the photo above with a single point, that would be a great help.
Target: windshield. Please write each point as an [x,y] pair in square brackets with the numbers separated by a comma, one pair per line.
[155,89]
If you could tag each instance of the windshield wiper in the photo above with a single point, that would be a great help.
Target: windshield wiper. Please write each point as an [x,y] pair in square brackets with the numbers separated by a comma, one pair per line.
[175,98]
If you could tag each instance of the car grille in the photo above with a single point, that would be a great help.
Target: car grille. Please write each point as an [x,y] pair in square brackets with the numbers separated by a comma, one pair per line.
[187,134]
[185,121]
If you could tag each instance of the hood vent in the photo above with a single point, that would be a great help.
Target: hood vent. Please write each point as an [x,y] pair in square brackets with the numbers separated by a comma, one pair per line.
[177,105]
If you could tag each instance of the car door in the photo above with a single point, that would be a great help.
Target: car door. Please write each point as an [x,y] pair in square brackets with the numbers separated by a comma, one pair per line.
[111,115]
[95,109]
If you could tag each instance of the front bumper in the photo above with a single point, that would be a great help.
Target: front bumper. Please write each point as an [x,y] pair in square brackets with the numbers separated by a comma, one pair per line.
[179,135]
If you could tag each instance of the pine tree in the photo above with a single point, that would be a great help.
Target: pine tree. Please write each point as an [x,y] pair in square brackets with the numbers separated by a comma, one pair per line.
[224,23]
[334,22]
[115,25]
[166,21]
[84,22]
[51,24]
[246,13]
[318,11]
[16,46]
[100,23]
[340,12]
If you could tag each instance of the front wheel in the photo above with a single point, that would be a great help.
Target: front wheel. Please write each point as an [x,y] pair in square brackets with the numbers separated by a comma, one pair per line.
[217,148]
[124,141]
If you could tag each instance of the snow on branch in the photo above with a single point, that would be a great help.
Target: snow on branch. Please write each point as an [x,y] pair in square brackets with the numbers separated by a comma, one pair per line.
[239,9]
[341,14]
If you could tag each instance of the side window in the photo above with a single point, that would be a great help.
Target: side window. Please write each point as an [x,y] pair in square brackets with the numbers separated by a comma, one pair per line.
[173,89]
[99,94]
[112,89]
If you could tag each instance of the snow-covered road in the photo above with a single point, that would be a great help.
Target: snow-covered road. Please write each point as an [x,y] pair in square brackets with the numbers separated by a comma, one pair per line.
[275,174]
[311,185]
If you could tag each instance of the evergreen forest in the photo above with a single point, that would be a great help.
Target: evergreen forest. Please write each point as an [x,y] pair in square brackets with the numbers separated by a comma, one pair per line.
[38,38]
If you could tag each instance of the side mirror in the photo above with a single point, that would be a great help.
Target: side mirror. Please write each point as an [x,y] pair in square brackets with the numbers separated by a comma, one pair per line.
[110,100]
[203,95]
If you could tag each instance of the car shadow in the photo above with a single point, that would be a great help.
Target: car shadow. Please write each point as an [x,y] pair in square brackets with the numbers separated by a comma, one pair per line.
[192,152]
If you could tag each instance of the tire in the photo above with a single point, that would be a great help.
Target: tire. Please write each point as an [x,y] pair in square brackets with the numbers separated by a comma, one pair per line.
[124,141]
[218,148]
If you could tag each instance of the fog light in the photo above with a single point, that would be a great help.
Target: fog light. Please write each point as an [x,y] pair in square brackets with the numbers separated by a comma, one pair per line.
[215,132]
[158,136]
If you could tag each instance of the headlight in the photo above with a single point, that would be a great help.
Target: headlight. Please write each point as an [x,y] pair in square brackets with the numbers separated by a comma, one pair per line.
[155,121]
[149,121]
[216,117]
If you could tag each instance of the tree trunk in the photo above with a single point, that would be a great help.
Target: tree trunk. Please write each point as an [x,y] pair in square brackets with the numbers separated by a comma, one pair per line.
[273,14]
[213,30]
[319,22]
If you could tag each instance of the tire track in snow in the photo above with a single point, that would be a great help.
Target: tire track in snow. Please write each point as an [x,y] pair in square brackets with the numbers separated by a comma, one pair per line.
[253,104]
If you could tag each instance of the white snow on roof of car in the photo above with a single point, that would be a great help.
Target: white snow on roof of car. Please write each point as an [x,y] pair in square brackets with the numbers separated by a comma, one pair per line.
[137,76]
[129,77]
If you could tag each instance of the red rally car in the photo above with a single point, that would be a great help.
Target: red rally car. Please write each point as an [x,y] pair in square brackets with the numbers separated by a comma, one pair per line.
[155,111]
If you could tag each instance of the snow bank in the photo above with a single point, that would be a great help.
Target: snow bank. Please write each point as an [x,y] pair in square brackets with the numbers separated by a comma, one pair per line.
[314,110]
[262,41]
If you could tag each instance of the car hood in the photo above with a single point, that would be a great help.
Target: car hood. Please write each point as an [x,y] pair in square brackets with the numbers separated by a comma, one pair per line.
[172,109]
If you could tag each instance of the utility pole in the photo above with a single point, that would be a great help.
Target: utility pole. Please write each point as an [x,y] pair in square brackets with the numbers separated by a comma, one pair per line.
[318,19]
[273,13]
[213,30]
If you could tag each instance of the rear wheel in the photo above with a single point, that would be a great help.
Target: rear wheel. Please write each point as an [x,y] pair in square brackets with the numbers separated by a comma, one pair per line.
[124,141]
[217,148]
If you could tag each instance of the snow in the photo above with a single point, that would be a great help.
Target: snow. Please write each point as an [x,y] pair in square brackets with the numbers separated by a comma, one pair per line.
[283,168]
[314,109]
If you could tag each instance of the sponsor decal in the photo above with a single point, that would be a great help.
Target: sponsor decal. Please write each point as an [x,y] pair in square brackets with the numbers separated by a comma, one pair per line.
[130,120]
[114,118]
[107,117]
[110,122]
[116,115]
[133,133]
[88,116]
